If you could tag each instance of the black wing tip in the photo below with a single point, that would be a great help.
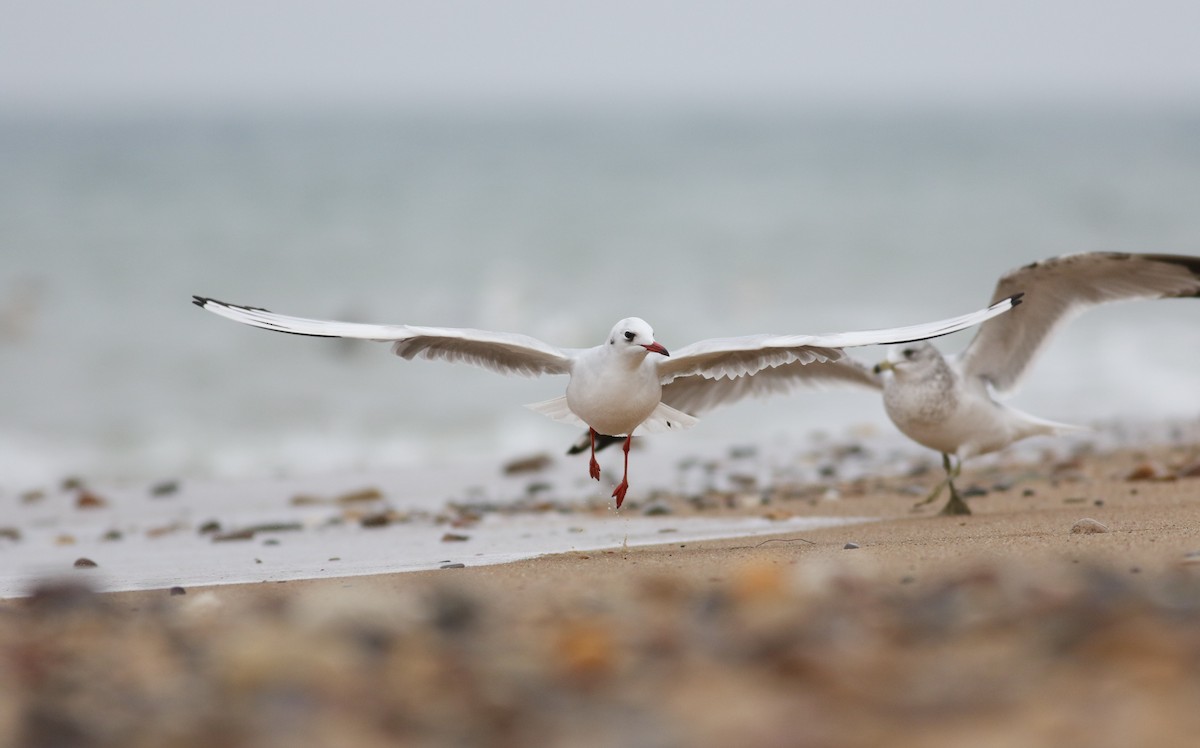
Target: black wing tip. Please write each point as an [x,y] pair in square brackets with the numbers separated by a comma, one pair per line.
[1017,299]
[205,301]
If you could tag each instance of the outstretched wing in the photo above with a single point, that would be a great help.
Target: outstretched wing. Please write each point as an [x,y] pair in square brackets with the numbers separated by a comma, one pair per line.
[697,394]
[1061,288]
[737,357]
[507,353]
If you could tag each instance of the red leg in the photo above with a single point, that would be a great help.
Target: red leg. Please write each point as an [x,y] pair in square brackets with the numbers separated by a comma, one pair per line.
[619,492]
[593,466]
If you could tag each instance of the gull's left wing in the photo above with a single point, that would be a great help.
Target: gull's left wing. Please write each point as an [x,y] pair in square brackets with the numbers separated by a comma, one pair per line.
[730,358]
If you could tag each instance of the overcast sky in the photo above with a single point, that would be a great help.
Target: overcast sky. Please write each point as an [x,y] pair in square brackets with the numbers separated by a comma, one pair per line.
[86,52]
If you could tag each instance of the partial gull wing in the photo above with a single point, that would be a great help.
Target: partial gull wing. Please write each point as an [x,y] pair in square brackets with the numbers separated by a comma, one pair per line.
[697,394]
[507,353]
[736,357]
[1059,289]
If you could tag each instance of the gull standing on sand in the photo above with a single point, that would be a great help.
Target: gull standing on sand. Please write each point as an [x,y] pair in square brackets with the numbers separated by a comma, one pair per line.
[615,388]
[949,403]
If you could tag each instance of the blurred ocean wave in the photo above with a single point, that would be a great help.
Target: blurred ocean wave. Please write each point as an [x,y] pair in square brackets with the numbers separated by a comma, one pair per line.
[551,223]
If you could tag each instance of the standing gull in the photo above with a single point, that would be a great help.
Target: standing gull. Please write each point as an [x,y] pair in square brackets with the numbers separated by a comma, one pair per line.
[950,403]
[615,388]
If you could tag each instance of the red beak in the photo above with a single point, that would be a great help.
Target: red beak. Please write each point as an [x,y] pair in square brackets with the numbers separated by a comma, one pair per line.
[656,348]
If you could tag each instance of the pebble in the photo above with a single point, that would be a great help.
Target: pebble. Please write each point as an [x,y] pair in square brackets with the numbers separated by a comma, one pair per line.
[32,497]
[210,526]
[1146,471]
[178,591]
[85,563]
[850,546]
[111,535]
[453,566]
[376,520]
[10,533]
[454,537]
[532,464]
[1087,526]
[165,488]
[363,494]
[234,535]
[88,500]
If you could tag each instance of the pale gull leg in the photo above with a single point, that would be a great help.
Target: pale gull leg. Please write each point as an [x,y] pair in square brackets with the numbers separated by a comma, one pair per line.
[955,506]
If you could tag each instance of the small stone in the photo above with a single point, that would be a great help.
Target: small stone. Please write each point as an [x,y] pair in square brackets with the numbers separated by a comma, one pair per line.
[271,541]
[1028,492]
[335,558]
[850,546]
[178,591]
[1145,471]
[1087,526]
[453,566]
[453,537]
[32,497]
[361,495]
[88,500]
[1191,470]
[210,526]
[85,563]
[973,491]
[10,533]
[165,488]
[72,483]
[111,535]
[531,464]
[234,535]
[381,519]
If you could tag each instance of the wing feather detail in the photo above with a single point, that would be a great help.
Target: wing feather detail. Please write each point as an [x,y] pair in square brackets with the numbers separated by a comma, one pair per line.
[506,353]
[1059,289]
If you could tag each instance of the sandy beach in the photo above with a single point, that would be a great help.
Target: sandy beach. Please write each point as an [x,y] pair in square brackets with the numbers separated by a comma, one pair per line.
[1014,626]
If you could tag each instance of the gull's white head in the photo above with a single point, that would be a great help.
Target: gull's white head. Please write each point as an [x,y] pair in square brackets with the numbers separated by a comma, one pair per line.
[911,360]
[633,335]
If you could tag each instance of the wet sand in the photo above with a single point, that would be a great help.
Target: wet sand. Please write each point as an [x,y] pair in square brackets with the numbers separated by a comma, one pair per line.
[1002,628]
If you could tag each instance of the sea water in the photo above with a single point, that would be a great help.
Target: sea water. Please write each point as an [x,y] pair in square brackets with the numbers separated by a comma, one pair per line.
[555,223]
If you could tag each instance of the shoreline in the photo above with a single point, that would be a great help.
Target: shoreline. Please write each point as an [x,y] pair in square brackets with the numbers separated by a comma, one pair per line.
[1004,626]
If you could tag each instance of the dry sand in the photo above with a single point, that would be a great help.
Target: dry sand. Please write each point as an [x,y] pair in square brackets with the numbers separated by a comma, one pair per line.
[1003,628]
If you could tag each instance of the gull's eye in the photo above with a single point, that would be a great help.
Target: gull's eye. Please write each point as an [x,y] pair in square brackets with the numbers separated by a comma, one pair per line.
[629,335]
[909,352]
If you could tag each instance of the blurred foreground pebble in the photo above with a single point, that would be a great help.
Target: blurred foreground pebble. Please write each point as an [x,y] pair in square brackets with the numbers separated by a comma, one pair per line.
[767,655]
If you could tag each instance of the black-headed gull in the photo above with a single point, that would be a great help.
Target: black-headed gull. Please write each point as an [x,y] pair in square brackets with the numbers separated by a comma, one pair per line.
[615,388]
[949,403]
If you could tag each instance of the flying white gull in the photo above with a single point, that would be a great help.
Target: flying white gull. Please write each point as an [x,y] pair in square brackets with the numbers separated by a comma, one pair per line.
[949,403]
[615,388]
